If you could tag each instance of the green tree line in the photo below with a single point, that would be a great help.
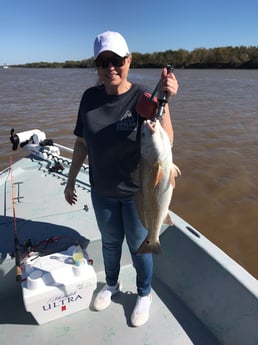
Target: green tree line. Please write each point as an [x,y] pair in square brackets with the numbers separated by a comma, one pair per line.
[221,57]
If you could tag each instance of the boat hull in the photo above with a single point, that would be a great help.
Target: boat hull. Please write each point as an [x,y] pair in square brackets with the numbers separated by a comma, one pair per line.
[200,295]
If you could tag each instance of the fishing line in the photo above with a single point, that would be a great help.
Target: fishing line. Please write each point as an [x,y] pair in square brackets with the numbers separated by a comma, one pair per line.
[16,242]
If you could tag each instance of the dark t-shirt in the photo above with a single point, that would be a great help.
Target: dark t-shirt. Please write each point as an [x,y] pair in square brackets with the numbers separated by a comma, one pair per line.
[111,128]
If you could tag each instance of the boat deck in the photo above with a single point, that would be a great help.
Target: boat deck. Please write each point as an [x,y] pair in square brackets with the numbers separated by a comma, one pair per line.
[171,322]
[200,295]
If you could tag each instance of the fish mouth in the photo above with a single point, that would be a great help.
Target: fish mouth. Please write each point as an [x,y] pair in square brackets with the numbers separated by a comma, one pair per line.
[151,126]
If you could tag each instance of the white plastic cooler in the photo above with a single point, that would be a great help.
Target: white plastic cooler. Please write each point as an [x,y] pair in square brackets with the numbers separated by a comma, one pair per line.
[55,287]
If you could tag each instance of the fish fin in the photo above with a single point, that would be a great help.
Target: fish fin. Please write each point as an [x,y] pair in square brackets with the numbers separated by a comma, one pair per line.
[168,220]
[148,247]
[174,172]
[172,178]
[159,175]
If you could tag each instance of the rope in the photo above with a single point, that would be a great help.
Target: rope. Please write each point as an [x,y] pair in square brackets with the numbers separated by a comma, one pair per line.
[16,242]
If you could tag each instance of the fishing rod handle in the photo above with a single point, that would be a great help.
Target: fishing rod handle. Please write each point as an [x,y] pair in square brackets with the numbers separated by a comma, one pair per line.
[170,69]
[18,274]
[163,100]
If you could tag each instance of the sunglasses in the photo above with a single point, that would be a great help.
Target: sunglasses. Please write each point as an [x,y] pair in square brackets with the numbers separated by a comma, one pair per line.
[116,61]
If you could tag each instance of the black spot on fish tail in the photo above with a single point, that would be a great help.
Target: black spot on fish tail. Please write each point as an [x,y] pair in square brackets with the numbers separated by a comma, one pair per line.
[148,247]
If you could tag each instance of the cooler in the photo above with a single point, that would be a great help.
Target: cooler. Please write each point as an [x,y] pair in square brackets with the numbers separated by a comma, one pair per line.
[55,287]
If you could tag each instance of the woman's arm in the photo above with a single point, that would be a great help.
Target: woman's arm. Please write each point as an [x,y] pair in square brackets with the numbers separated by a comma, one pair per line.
[79,154]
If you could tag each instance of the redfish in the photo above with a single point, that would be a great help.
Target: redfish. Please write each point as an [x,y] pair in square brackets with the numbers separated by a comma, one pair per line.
[157,174]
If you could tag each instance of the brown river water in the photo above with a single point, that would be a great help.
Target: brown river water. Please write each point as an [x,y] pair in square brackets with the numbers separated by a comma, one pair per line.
[215,119]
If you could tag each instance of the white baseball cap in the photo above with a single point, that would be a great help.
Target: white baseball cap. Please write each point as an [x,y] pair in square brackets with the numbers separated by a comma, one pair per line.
[111,41]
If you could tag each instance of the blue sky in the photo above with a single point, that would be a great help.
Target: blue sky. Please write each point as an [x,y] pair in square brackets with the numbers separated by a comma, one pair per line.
[55,30]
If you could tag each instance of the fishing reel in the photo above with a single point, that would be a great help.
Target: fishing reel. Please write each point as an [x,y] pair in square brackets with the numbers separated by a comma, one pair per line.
[151,107]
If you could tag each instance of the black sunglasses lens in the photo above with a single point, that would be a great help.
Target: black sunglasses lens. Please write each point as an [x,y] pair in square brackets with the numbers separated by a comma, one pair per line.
[115,61]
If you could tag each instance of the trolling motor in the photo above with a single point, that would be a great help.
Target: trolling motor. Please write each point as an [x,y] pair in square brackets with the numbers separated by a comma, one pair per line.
[34,136]
[34,142]
[149,106]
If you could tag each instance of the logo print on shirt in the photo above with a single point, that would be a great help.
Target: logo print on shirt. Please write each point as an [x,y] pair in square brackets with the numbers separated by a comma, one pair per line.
[127,122]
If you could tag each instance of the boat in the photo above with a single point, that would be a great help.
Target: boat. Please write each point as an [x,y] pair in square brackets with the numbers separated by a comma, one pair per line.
[201,295]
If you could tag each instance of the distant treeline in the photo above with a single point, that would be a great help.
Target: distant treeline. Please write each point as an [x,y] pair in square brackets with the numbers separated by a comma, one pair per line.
[223,57]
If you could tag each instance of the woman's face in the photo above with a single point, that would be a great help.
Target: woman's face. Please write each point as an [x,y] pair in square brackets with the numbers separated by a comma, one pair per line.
[113,71]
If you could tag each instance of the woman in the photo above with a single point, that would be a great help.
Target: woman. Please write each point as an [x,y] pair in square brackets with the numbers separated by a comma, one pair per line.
[107,130]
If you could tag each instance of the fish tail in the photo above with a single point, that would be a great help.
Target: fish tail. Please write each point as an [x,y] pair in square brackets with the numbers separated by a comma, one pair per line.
[148,247]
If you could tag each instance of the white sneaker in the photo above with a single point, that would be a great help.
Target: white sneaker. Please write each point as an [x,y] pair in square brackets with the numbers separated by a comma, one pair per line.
[103,298]
[140,314]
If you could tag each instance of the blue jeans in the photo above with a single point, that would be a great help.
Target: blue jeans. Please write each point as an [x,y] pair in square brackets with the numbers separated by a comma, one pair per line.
[118,218]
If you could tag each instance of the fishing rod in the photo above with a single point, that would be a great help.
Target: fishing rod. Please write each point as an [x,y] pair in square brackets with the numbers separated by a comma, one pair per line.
[163,99]
[148,106]
[16,241]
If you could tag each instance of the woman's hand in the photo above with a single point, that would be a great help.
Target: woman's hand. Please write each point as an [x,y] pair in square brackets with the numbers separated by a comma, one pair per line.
[168,83]
[70,194]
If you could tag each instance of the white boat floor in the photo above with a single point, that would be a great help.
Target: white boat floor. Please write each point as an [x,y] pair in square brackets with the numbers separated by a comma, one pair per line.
[170,323]
[214,287]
